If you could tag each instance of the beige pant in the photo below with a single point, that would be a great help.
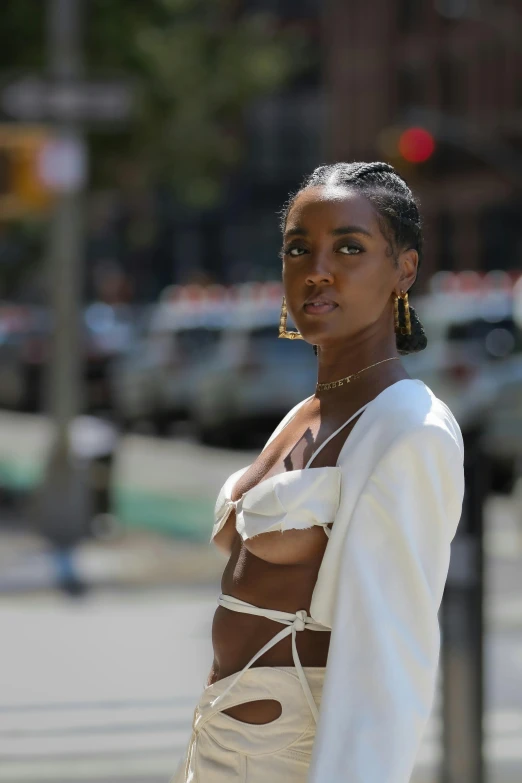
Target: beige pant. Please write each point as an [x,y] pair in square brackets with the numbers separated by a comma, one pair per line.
[225,750]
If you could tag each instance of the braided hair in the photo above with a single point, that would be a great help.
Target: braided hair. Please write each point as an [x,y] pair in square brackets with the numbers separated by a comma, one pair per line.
[398,215]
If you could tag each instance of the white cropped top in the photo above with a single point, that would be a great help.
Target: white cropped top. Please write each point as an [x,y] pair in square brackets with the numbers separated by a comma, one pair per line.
[297,499]
[395,498]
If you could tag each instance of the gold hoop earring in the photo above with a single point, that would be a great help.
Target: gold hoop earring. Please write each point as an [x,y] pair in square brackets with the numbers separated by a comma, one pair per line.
[407,320]
[282,325]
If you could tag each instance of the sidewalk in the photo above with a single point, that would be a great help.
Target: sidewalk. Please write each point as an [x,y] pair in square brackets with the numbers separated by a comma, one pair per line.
[134,559]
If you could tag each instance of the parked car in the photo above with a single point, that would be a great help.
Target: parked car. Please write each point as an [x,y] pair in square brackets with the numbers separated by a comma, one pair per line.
[25,352]
[131,379]
[252,380]
[154,381]
[473,362]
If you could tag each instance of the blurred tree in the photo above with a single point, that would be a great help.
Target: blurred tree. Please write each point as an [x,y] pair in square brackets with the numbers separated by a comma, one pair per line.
[196,63]
[22,35]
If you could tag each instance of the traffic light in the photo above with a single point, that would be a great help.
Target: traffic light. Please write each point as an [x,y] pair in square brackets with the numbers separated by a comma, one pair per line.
[406,147]
[22,190]
[416,145]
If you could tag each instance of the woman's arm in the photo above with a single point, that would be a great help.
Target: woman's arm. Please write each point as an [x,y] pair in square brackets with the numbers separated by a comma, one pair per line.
[382,664]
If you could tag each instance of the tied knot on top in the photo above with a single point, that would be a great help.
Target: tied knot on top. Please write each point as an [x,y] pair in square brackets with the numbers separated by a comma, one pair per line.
[292,622]
[300,620]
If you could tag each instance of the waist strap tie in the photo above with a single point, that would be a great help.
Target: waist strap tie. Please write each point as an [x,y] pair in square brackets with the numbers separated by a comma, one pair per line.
[294,622]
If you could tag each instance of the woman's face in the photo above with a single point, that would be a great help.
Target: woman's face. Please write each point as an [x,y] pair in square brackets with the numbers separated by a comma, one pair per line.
[333,249]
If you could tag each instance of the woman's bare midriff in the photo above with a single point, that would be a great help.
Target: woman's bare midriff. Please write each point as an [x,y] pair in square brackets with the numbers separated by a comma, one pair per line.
[276,579]
[237,637]
[287,587]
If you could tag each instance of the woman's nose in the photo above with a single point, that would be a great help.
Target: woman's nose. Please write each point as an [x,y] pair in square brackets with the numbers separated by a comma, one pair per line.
[319,271]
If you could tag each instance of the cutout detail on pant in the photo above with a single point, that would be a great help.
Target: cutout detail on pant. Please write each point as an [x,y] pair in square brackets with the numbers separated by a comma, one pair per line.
[257,713]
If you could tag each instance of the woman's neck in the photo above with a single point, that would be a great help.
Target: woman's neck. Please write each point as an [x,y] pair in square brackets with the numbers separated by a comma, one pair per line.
[367,385]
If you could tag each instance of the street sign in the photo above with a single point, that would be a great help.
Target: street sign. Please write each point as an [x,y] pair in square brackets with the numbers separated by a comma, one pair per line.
[62,164]
[46,100]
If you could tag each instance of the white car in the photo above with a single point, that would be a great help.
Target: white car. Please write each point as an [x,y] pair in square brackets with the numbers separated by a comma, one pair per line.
[252,380]
[154,382]
[132,380]
[473,362]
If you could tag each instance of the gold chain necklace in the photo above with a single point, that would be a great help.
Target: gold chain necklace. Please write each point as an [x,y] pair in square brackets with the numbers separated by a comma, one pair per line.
[341,381]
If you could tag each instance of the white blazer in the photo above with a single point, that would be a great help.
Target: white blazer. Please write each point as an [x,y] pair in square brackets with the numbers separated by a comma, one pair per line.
[381,581]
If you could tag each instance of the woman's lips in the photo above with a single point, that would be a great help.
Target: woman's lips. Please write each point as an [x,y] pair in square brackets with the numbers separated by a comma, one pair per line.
[320,308]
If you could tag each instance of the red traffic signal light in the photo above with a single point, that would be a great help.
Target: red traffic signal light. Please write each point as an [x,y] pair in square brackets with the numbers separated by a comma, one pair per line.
[416,145]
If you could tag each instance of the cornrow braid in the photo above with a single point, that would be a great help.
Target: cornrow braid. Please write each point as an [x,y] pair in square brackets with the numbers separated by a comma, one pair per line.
[398,214]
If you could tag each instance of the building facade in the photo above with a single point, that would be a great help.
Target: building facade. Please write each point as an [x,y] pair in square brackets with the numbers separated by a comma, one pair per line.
[382,66]
[435,62]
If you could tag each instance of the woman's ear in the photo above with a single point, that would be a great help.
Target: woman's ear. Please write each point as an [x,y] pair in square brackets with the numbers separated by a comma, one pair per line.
[408,263]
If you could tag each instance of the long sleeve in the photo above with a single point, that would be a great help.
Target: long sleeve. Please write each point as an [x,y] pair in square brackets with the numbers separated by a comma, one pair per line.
[382,664]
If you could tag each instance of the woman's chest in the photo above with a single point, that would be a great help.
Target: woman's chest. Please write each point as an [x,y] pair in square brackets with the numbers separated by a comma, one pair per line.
[287,585]
[282,506]
[297,448]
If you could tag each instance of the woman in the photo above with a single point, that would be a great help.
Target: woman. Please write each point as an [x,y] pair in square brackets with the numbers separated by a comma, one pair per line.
[326,640]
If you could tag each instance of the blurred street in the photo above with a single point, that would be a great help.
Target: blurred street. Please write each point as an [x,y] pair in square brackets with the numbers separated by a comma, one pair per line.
[108,686]
[103,688]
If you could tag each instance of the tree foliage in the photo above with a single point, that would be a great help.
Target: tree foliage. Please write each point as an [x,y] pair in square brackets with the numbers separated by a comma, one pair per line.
[196,65]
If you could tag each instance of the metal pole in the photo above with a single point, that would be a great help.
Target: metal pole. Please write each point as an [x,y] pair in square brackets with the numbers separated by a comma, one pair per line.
[66,244]
[462,622]
[63,499]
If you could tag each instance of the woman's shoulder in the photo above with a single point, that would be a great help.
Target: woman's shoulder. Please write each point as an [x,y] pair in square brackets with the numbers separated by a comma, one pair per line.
[411,406]
[406,409]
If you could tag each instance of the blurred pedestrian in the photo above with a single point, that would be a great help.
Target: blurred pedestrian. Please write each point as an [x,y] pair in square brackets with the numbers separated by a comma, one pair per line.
[87,490]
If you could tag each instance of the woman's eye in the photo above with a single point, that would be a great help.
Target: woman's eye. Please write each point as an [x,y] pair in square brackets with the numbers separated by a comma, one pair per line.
[290,251]
[349,250]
